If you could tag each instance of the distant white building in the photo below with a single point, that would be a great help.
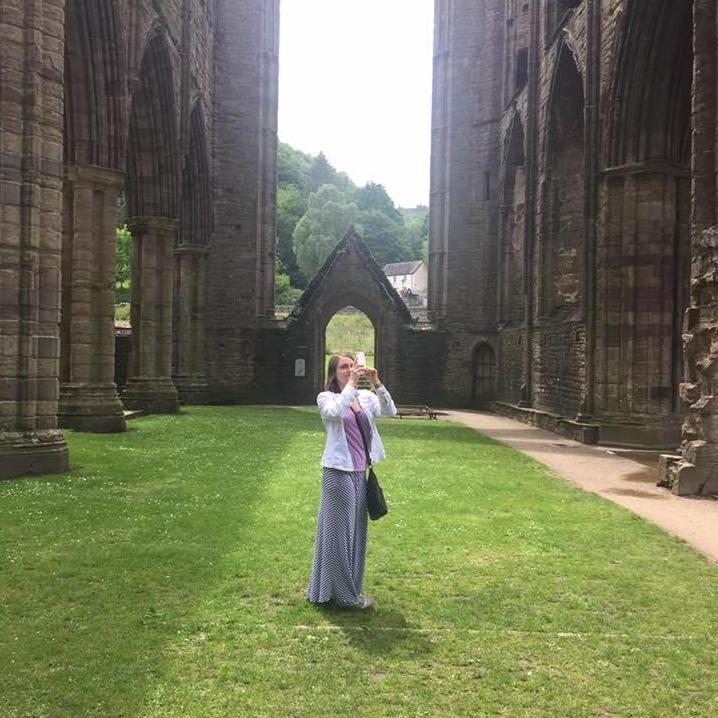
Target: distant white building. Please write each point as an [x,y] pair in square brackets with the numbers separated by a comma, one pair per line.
[410,279]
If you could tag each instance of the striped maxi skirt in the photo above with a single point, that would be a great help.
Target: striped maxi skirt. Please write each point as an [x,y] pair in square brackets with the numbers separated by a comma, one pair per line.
[340,546]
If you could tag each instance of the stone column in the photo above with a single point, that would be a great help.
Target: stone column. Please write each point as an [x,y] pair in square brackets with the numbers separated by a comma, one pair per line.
[190,330]
[695,469]
[440,145]
[31,132]
[88,395]
[241,260]
[149,385]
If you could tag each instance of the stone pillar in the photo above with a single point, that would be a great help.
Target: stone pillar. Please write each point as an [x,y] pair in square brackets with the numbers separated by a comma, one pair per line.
[88,395]
[695,469]
[149,385]
[440,133]
[465,149]
[241,260]
[31,146]
[190,330]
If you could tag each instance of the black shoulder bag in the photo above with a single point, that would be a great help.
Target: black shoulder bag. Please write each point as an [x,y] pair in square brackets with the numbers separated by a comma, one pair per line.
[375,502]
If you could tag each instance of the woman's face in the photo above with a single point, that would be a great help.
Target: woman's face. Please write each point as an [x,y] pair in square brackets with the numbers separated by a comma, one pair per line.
[344,370]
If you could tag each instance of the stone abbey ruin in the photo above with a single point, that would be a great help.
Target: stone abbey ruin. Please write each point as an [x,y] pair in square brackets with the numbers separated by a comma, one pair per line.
[573,264]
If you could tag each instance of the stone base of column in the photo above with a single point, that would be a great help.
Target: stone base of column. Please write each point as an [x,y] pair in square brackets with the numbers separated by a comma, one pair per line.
[192,389]
[32,453]
[91,407]
[153,395]
[685,478]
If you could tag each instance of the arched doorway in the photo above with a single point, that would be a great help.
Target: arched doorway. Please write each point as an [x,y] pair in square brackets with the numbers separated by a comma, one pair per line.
[350,330]
[484,374]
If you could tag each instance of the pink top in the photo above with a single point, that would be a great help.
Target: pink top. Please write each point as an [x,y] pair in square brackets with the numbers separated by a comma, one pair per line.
[354,437]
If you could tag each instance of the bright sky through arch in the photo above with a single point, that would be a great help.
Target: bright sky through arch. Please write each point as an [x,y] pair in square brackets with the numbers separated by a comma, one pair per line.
[355,82]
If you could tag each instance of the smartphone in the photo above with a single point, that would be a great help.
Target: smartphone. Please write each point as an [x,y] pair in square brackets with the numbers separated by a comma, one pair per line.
[361,359]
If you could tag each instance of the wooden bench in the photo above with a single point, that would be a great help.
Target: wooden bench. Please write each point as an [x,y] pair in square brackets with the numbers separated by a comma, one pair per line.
[420,410]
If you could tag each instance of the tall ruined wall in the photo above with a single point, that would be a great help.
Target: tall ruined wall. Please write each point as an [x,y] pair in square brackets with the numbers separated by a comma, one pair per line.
[577,272]
[241,291]
[464,177]
[133,98]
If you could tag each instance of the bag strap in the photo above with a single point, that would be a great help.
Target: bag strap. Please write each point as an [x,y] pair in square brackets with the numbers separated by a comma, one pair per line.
[363,438]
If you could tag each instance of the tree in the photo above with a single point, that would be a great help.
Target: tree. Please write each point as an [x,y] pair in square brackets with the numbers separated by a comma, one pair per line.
[293,168]
[381,224]
[383,236]
[123,266]
[291,206]
[321,172]
[329,215]
[373,196]
[284,292]
[417,233]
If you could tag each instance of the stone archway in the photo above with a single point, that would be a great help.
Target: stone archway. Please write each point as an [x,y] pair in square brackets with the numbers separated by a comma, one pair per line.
[560,329]
[512,259]
[349,277]
[152,199]
[643,258]
[190,300]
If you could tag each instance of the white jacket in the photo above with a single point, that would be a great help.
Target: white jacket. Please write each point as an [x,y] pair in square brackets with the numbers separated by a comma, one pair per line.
[333,406]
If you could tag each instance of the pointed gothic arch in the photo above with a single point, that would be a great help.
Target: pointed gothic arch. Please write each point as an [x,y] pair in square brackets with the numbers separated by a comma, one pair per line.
[564,195]
[152,201]
[153,152]
[95,125]
[560,349]
[94,148]
[644,249]
[350,277]
[512,261]
[190,300]
[651,87]
[513,211]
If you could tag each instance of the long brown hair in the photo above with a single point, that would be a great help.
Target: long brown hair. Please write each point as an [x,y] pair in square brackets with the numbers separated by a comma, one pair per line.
[332,383]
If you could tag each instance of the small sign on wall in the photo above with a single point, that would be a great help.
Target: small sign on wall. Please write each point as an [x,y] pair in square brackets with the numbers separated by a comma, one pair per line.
[300,368]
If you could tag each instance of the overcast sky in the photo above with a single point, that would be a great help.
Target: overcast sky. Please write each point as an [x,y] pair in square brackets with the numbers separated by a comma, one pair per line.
[355,83]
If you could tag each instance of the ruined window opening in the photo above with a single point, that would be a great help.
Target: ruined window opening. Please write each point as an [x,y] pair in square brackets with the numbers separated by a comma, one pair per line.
[556,12]
[522,69]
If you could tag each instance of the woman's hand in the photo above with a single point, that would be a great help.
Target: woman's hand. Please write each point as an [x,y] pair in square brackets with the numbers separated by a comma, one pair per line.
[373,376]
[357,374]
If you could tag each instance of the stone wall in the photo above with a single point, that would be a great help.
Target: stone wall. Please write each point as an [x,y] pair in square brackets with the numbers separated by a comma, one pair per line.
[588,102]
[130,97]
[31,96]
[241,263]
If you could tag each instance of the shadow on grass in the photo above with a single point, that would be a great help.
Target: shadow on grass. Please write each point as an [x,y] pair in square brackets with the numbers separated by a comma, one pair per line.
[381,631]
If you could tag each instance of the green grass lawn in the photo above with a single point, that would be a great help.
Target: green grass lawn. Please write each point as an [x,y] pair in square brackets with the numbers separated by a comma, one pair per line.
[165,576]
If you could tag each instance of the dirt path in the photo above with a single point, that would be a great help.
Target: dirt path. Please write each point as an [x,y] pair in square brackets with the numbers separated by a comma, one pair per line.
[624,477]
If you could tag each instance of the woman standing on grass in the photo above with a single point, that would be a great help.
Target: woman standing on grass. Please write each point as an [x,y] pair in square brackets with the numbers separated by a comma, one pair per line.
[348,414]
